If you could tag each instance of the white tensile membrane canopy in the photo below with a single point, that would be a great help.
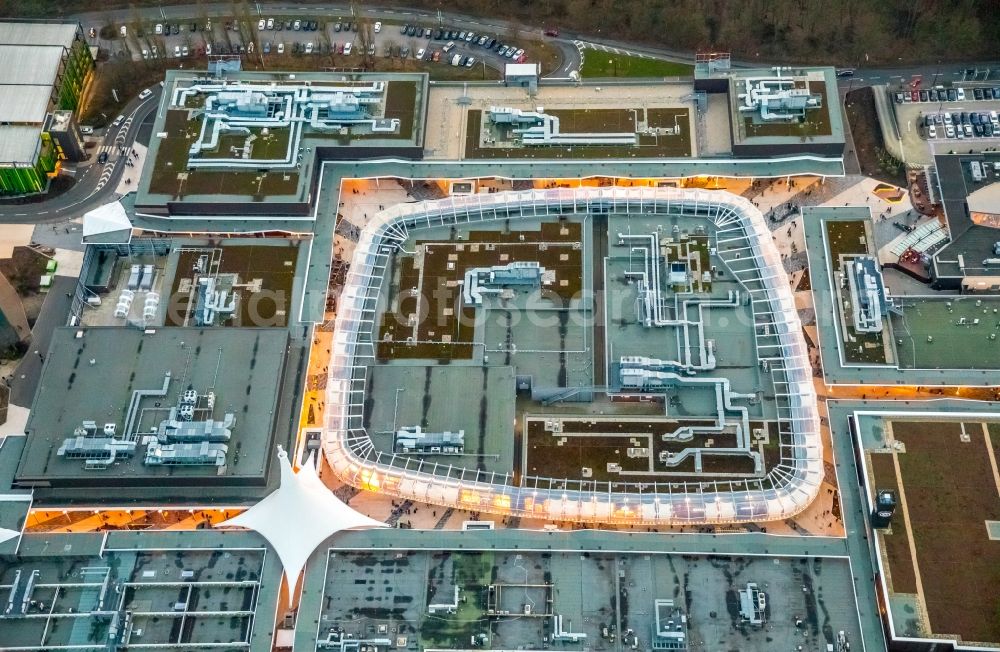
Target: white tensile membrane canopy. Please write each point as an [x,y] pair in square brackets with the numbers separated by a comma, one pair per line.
[106,218]
[7,535]
[298,516]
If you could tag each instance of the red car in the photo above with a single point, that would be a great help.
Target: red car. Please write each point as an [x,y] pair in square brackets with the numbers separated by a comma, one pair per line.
[552,31]
[915,96]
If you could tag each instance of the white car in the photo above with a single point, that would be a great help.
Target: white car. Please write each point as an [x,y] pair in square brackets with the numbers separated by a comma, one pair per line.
[184,51]
[159,28]
[419,56]
[961,91]
[145,53]
[281,48]
[145,93]
[309,47]
[124,31]
[297,25]
[347,47]
[949,131]
[378,26]
[932,132]
[208,48]
[177,50]
[471,62]
[86,130]
[270,23]
[261,25]
[120,119]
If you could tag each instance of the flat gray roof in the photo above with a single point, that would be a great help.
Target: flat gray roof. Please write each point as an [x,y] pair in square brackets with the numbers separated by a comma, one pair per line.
[24,104]
[15,33]
[18,143]
[30,65]
[93,376]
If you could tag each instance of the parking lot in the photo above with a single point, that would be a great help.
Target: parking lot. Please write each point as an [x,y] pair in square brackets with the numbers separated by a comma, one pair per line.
[258,38]
[942,124]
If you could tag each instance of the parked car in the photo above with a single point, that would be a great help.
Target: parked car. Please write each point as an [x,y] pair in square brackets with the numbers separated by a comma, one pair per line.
[449,46]
[977,93]
[932,131]
[924,96]
[337,26]
[419,56]
[347,48]
[158,29]
[471,61]
[402,30]
[961,94]
[437,56]
[267,47]
[437,34]
[371,49]
[184,51]
[281,48]
[261,25]
[270,23]
[297,25]
[427,32]
[952,95]
[949,131]
[377,28]
[309,47]
[899,98]
[551,31]
[124,31]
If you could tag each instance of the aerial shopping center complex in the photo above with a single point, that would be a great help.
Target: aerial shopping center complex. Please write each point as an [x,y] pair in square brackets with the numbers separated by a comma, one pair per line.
[367,362]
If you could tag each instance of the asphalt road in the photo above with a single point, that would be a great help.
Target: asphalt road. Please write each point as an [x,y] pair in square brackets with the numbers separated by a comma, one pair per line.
[52,315]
